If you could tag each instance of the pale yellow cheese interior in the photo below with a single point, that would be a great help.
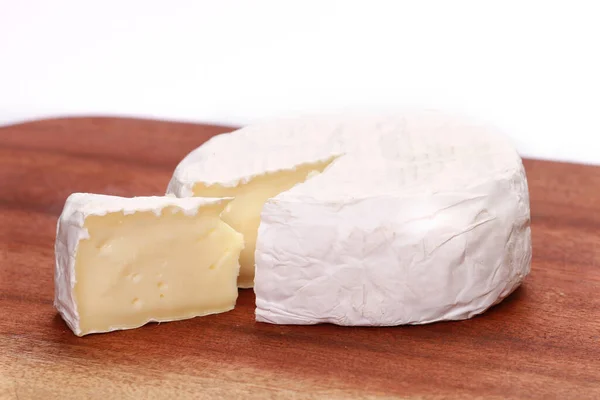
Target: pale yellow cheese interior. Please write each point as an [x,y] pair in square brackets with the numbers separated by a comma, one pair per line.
[243,213]
[141,267]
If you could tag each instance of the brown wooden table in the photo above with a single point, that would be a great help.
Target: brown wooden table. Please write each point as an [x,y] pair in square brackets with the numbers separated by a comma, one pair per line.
[542,342]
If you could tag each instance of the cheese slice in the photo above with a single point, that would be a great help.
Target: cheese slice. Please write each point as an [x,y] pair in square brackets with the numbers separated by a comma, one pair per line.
[413,217]
[123,262]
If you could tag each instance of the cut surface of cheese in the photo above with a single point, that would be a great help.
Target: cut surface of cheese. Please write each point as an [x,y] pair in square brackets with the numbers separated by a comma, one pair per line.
[243,213]
[419,216]
[123,262]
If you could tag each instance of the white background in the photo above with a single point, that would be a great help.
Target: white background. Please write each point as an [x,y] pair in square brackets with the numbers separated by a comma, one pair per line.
[532,68]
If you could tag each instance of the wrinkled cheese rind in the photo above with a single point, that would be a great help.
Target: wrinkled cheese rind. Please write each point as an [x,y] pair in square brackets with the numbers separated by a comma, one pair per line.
[70,231]
[390,260]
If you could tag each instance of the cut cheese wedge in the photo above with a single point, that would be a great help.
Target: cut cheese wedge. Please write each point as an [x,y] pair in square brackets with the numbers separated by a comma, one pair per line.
[123,262]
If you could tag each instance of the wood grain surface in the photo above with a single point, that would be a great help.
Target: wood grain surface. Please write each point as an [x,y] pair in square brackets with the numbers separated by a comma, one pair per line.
[542,342]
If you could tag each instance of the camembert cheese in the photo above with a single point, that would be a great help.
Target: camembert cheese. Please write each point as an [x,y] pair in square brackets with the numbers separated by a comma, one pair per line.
[370,219]
[123,262]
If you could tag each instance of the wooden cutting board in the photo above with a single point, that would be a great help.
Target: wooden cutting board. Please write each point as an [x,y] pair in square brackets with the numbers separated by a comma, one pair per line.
[542,342]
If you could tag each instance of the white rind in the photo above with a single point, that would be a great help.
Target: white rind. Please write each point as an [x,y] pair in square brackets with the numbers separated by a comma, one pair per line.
[70,230]
[393,260]
[283,144]
[421,217]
